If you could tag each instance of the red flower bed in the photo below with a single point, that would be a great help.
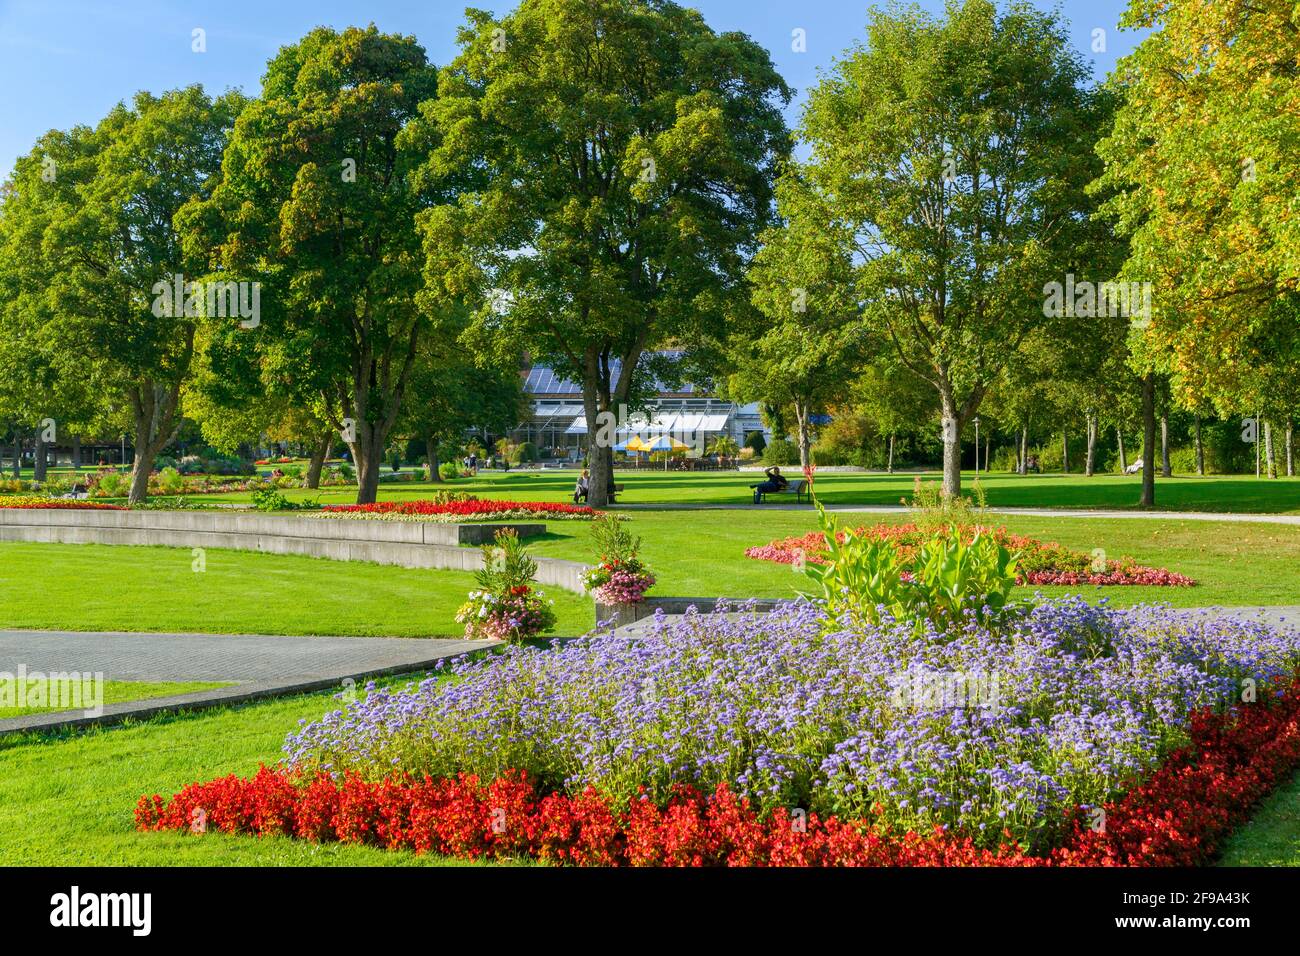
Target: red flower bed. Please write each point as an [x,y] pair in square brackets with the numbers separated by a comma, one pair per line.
[1178,817]
[468,509]
[1041,562]
[29,502]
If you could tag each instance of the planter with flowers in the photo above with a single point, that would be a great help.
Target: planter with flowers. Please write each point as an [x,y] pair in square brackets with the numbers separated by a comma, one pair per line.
[505,607]
[619,580]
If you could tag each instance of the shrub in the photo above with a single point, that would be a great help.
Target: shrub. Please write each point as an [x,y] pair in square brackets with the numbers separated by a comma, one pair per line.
[270,499]
[781,452]
[449,470]
[170,481]
[526,452]
[110,484]
[864,578]
[756,443]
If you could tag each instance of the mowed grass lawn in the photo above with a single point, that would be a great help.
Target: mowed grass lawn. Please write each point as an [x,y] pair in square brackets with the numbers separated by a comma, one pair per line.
[69,800]
[1212,493]
[58,697]
[702,553]
[692,553]
[92,587]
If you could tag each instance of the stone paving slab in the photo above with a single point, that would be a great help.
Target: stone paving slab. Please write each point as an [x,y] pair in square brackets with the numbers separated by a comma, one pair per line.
[260,666]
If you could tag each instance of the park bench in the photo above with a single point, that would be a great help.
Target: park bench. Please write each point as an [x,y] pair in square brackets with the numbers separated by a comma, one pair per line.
[798,488]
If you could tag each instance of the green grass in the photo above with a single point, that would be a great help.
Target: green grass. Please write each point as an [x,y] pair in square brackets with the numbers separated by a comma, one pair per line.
[68,801]
[692,553]
[90,587]
[1212,493]
[1272,837]
[114,692]
[702,553]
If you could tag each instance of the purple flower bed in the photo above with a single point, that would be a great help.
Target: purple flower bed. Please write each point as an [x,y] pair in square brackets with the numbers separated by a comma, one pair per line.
[982,729]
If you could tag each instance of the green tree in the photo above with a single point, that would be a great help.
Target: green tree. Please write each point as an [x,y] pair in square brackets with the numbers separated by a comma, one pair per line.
[318,198]
[1202,165]
[632,152]
[450,393]
[807,342]
[948,149]
[90,231]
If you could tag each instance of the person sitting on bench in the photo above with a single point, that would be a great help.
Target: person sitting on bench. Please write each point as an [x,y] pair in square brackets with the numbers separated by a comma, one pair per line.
[583,488]
[775,482]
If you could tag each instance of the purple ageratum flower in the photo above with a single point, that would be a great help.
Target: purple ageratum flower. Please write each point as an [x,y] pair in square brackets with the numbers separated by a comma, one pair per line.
[1085,700]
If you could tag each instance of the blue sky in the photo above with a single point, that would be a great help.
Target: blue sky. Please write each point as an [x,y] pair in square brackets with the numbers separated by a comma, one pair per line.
[64,62]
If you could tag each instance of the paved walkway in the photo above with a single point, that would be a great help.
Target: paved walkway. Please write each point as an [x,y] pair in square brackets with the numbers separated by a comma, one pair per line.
[258,666]
[216,657]
[1028,512]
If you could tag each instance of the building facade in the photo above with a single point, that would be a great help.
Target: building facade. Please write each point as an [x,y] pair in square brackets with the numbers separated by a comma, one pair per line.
[557,423]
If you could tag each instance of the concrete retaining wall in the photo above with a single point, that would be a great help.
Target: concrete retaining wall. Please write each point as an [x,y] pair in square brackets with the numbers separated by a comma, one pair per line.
[622,614]
[408,544]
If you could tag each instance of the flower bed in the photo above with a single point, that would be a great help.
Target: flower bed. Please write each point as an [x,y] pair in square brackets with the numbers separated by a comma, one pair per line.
[981,730]
[1041,563]
[458,511]
[62,504]
[1177,818]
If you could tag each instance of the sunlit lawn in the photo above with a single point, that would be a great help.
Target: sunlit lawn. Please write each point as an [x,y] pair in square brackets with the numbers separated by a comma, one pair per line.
[1215,493]
[51,697]
[87,587]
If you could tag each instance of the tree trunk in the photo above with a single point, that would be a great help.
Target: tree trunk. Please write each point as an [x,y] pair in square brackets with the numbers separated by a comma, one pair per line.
[803,414]
[1123,458]
[988,448]
[154,412]
[1200,449]
[599,464]
[1269,458]
[18,453]
[1165,469]
[1090,455]
[1148,499]
[1290,456]
[951,446]
[76,453]
[368,457]
[39,463]
[1065,451]
[1022,452]
[318,456]
[431,452]
[890,467]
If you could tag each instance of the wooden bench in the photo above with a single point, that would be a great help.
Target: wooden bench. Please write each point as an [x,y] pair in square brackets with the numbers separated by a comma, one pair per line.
[798,488]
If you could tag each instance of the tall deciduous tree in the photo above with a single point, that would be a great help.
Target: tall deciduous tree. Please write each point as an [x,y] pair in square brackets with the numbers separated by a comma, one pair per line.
[90,228]
[807,341]
[951,150]
[319,199]
[1204,168]
[631,152]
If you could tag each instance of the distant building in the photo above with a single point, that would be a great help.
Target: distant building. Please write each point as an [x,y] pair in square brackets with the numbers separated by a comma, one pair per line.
[558,423]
